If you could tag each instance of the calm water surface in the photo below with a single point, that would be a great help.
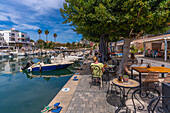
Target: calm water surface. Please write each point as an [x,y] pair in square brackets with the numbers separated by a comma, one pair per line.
[21,93]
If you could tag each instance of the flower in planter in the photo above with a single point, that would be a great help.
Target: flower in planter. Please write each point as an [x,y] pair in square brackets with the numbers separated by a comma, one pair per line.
[125,78]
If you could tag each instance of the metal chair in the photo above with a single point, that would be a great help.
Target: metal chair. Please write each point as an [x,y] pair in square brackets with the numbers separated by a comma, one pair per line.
[140,99]
[159,104]
[97,73]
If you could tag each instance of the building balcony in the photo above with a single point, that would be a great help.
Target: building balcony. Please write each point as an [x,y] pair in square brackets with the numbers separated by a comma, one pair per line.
[21,38]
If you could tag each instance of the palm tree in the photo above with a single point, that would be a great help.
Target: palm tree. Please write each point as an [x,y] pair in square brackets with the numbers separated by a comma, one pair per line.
[39,32]
[55,35]
[46,33]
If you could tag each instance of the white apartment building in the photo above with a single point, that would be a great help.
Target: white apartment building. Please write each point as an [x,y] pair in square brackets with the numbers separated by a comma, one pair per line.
[13,38]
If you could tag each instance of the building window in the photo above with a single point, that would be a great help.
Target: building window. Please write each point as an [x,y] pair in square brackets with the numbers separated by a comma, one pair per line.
[22,35]
[1,34]
[12,34]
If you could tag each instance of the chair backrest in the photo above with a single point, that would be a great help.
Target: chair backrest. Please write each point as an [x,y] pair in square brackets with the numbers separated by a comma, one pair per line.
[159,104]
[152,77]
[142,96]
[167,78]
[96,70]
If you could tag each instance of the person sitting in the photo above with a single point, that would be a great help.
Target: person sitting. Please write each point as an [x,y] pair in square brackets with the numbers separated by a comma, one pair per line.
[132,58]
[97,74]
[96,53]
[99,57]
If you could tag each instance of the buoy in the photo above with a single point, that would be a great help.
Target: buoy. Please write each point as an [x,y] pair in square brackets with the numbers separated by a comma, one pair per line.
[21,71]
[65,89]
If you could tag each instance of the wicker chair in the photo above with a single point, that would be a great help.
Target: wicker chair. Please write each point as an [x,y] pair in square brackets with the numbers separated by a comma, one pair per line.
[152,77]
[128,65]
[167,78]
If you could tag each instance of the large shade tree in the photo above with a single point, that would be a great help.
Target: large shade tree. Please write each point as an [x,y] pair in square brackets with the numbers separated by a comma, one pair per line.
[100,19]
[83,15]
[134,18]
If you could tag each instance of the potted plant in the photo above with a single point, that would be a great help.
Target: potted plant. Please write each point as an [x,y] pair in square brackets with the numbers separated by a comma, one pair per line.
[125,78]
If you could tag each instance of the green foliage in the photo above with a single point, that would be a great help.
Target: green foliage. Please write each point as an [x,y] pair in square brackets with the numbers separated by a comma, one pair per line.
[116,18]
[39,32]
[46,33]
[134,51]
[73,44]
[142,49]
[68,44]
[125,76]
[31,40]
[133,47]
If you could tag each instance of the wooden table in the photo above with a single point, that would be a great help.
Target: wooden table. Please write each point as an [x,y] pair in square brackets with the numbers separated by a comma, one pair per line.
[146,70]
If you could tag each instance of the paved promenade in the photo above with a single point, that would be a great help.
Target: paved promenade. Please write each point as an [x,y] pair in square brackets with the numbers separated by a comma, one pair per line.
[89,100]
[93,100]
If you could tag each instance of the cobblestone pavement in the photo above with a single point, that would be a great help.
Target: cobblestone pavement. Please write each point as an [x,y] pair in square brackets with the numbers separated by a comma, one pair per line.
[90,100]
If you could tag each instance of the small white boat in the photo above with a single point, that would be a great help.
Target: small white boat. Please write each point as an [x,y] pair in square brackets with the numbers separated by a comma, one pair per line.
[4,53]
[21,53]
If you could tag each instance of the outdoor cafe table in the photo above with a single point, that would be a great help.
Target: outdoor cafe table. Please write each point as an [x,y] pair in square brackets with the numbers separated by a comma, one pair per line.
[123,94]
[146,70]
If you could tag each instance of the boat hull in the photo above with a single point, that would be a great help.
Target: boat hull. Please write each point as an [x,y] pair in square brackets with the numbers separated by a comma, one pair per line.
[49,68]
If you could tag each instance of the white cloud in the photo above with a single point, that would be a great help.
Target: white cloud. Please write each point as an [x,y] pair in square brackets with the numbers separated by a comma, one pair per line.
[3,18]
[3,26]
[42,6]
[26,26]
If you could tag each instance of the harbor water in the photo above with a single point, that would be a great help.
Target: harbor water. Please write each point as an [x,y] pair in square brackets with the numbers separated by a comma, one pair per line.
[21,92]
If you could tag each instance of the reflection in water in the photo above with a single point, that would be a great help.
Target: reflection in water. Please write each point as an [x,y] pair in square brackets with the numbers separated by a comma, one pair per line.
[22,90]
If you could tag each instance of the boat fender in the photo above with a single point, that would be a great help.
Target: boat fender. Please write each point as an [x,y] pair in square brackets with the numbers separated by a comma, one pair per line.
[40,68]
[31,69]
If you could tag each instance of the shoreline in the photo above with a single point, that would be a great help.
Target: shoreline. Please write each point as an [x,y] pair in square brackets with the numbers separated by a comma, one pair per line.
[65,97]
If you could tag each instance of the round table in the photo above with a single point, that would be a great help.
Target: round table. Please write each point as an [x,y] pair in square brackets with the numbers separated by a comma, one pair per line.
[123,94]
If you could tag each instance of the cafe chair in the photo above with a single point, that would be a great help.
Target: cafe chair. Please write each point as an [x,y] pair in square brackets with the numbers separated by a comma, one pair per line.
[96,75]
[151,78]
[167,78]
[140,99]
[159,104]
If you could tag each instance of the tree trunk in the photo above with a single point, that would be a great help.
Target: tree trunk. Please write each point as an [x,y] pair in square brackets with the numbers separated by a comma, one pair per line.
[102,48]
[39,36]
[46,38]
[124,58]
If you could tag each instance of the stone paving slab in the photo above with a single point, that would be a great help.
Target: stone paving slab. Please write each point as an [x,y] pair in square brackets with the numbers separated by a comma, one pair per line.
[90,100]
[65,97]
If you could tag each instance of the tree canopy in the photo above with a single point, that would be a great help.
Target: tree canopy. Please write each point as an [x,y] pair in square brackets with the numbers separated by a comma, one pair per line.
[111,19]
[123,18]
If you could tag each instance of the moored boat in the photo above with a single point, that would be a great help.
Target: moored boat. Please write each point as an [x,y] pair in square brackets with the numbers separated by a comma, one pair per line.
[45,67]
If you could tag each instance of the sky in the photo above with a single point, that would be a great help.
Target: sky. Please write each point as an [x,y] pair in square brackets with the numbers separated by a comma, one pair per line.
[30,15]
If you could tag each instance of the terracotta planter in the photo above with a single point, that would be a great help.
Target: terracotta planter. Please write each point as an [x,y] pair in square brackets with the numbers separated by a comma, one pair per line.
[125,79]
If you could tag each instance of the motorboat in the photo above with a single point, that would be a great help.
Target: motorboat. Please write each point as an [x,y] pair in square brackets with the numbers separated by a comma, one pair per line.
[31,66]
